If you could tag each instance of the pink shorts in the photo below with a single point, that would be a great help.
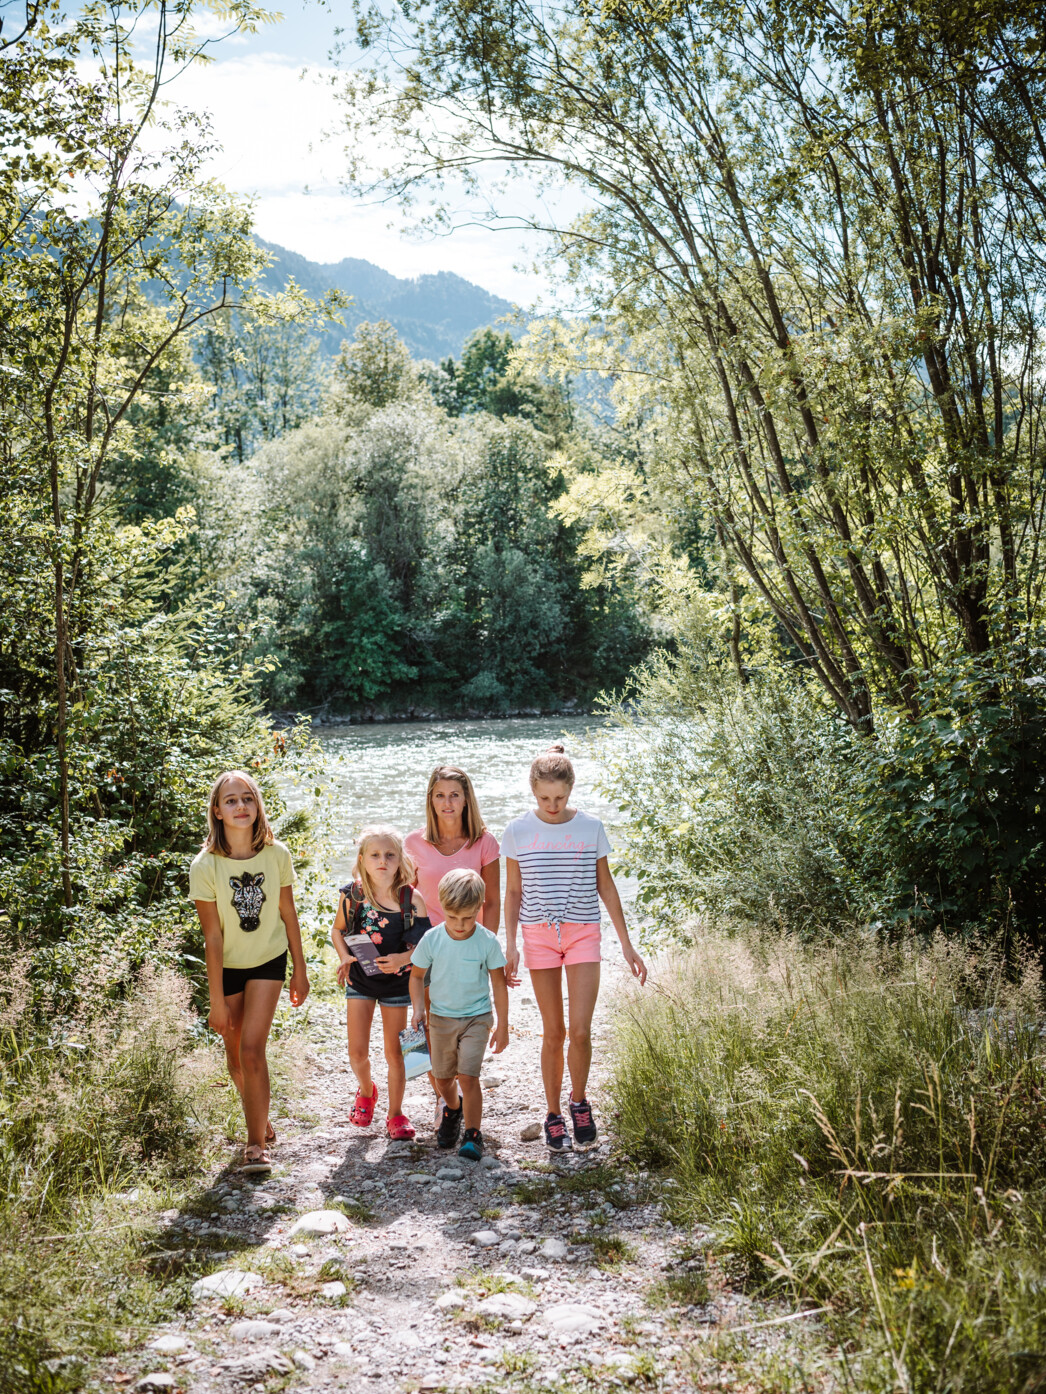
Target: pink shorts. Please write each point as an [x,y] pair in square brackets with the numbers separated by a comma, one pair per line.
[575,943]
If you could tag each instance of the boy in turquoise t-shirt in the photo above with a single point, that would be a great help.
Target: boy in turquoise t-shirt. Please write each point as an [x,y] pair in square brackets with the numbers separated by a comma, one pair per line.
[466,962]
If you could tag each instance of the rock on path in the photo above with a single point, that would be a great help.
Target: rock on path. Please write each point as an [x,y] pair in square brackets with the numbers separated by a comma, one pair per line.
[365,1264]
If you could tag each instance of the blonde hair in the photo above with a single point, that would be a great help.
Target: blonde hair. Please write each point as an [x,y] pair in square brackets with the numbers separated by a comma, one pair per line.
[552,766]
[406,872]
[216,841]
[472,824]
[462,890]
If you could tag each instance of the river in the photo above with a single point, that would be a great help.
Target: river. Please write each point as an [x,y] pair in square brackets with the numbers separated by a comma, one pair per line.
[380,772]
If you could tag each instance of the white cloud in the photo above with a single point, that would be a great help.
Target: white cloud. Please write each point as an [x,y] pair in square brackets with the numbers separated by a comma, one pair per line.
[270,117]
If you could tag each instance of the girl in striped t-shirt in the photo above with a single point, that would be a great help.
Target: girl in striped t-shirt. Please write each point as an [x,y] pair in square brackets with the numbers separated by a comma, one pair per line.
[556,875]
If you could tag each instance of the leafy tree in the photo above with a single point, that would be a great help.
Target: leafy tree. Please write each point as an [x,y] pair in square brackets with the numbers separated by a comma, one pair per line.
[91,308]
[820,228]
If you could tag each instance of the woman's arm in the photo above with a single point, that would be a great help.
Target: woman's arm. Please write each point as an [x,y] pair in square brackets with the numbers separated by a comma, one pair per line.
[213,945]
[490,914]
[513,900]
[299,988]
[610,898]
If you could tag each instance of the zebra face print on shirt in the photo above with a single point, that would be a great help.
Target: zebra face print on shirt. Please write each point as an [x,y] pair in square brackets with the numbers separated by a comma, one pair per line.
[248,898]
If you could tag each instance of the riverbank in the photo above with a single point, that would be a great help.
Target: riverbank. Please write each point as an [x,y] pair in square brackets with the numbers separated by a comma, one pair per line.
[397,716]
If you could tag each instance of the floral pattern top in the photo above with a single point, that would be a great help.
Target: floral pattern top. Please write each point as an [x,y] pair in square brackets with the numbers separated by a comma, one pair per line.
[385,931]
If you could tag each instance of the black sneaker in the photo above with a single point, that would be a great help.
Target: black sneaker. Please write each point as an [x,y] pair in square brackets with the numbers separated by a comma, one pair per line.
[556,1136]
[585,1134]
[449,1129]
[472,1148]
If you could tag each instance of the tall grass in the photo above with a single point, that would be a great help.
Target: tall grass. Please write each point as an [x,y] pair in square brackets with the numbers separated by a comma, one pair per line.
[863,1127]
[89,1103]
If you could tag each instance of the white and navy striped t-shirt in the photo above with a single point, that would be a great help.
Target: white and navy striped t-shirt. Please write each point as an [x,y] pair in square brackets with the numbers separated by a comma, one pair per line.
[557,863]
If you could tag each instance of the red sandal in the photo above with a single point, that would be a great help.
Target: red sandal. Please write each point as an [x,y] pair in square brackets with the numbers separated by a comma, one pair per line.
[399,1128]
[363,1109]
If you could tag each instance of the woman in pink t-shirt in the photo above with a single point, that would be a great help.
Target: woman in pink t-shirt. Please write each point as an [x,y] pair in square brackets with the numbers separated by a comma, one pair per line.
[455,836]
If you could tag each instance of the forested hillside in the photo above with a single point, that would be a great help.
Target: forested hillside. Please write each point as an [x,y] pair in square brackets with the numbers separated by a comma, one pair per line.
[432,314]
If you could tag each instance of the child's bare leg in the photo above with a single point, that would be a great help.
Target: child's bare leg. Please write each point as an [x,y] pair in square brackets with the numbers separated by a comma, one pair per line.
[232,1040]
[449,1090]
[393,1020]
[472,1097]
[359,1013]
[260,997]
[582,991]
[548,992]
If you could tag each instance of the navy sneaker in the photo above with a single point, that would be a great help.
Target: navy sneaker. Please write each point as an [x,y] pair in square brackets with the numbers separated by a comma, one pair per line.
[556,1137]
[449,1129]
[585,1134]
[472,1148]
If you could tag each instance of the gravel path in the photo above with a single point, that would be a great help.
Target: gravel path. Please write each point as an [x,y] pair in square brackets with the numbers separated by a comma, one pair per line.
[363,1264]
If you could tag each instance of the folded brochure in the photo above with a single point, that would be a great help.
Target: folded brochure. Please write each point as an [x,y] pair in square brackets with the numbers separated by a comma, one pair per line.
[364,952]
[415,1049]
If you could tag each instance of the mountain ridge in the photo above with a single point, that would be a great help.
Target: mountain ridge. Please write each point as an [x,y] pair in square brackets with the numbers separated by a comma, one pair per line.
[433,313]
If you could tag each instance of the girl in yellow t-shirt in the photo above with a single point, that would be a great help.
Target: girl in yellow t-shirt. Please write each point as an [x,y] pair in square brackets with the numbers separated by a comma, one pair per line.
[242,882]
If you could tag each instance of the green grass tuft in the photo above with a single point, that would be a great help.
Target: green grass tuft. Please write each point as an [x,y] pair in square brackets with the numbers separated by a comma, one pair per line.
[862,1127]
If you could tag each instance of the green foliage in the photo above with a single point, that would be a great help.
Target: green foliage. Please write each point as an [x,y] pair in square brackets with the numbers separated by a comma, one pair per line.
[386,552]
[752,803]
[953,804]
[490,377]
[862,1128]
[741,800]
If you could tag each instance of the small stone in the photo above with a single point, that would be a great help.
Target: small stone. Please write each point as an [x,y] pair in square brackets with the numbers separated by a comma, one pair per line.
[259,1365]
[489,1163]
[281,1314]
[422,1178]
[253,1330]
[452,1301]
[300,1250]
[530,1132]
[509,1306]
[449,1174]
[169,1345]
[304,1360]
[553,1249]
[344,1349]
[535,1275]
[230,1282]
[333,1290]
[161,1379]
[572,1318]
[321,1222]
[527,1246]
[485,1238]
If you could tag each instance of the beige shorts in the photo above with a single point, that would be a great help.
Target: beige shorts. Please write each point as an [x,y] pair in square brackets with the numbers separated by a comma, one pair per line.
[457,1044]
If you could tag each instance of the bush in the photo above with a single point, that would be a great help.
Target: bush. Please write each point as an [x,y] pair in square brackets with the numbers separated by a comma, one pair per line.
[863,1126]
[739,800]
[756,804]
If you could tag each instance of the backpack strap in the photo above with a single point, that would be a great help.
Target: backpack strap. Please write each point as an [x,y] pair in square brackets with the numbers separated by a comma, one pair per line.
[351,904]
[407,908]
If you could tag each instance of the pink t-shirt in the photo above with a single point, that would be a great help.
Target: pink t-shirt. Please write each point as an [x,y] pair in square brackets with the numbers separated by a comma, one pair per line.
[433,865]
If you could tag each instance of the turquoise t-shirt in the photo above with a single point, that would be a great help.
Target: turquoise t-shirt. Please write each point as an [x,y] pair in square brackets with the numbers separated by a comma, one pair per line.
[460,983]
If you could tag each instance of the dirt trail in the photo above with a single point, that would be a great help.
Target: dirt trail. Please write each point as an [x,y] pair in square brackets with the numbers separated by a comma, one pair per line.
[441,1273]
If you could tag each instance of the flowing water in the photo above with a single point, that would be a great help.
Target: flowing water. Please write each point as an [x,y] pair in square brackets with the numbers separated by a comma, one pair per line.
[380,772]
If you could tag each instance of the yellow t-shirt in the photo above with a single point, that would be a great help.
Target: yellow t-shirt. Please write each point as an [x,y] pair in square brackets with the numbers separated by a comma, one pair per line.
[247,895]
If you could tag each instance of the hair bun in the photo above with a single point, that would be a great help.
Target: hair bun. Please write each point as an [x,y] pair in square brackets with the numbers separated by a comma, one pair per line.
[558,749]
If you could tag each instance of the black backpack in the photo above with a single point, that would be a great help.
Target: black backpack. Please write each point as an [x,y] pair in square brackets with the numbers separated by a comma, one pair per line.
[352,907]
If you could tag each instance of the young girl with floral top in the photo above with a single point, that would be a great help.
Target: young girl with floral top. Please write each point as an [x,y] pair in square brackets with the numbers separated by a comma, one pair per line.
[375,906]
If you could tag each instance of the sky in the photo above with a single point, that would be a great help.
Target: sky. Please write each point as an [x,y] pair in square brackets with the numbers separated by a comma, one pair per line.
[271,108]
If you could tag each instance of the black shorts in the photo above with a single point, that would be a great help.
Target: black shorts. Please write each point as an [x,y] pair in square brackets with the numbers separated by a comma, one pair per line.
[234,980]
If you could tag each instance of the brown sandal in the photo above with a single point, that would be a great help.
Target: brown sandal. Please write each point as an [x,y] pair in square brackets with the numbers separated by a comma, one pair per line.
[256,1161]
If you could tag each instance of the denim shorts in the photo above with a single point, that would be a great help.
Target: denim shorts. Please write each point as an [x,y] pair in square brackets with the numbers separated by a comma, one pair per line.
[400,1000]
